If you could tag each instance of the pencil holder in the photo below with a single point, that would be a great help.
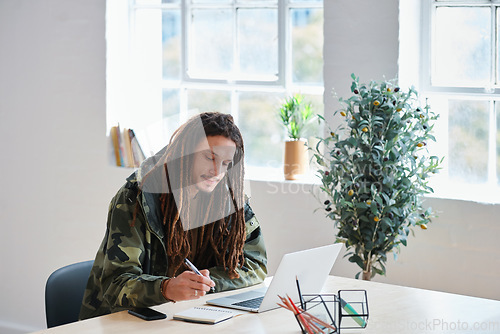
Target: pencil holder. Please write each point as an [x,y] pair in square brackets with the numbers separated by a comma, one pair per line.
[319,313]
[353,309]
[329,313]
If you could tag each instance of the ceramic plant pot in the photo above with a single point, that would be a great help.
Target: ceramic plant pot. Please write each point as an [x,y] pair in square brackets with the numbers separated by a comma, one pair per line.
[295,161]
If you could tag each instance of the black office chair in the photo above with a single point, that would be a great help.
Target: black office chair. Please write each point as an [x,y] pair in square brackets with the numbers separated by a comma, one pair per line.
[64,293]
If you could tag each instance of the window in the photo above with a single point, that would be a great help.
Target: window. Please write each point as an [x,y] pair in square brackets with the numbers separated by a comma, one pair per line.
[178,58]
[460,79]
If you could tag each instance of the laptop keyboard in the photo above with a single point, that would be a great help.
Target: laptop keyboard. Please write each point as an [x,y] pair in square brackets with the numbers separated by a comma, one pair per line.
[250,303]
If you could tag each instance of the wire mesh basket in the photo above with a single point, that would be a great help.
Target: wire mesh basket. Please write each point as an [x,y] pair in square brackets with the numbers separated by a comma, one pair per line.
[330,313]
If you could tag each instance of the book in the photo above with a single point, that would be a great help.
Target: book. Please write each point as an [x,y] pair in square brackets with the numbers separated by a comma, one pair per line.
[137,151]
[115,136]
[121,146]
[129,158]
[206,314]
[126,148]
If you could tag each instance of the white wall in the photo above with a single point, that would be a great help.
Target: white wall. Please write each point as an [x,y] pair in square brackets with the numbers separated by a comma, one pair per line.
[55,177]
[57,182]
[458,253]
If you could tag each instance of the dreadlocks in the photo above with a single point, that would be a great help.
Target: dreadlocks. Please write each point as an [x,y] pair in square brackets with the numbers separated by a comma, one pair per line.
[219,242]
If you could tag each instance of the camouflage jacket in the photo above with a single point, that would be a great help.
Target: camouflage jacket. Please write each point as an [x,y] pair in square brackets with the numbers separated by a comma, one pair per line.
[132,262]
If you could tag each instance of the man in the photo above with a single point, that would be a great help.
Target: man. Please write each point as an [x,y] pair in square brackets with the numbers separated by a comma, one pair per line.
[186,202]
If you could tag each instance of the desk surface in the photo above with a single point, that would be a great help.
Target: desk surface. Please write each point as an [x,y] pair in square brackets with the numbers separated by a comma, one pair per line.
[393,309]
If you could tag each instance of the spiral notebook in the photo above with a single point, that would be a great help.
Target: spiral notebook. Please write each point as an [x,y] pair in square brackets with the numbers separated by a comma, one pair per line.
[206,314]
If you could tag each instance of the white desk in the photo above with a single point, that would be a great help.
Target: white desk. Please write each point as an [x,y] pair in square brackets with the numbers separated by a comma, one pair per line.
[393,309]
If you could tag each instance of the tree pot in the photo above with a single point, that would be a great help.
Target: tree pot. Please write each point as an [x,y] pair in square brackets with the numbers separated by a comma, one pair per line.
[295,161]
[367,275]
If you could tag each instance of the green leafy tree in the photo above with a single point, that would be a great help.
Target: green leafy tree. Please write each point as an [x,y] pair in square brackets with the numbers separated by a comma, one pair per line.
[374,170]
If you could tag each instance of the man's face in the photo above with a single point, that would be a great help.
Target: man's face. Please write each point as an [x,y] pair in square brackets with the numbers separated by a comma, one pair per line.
[211,160]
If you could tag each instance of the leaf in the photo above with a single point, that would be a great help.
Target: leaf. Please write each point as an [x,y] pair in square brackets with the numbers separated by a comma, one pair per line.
[386,198]
[378,271]
[364,219]
[381,237]
[403,241]
[355,258]
[361,205]
[386,225]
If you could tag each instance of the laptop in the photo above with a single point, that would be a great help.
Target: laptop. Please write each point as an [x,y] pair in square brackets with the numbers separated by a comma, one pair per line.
[311,267]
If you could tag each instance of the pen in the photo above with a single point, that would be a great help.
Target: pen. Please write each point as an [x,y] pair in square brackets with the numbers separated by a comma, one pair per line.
[193,268]
[298,290]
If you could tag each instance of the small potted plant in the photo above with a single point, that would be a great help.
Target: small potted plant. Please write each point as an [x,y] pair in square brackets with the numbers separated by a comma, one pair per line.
[296,115]
[374,171]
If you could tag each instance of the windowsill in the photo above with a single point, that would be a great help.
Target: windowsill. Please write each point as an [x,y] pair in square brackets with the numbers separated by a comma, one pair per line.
[479,193]
[442,189]
[267,174]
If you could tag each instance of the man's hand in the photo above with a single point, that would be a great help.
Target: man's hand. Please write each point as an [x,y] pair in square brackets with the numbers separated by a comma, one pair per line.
[189,285]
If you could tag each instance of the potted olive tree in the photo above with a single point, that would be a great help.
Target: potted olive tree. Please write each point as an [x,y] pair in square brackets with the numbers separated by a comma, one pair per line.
[296,115]
[374,171]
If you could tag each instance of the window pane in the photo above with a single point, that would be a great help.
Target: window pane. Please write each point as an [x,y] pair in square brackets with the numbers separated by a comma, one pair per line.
[314,128]
[211,1]
[171,43]
[468,140]
[156,2]
[259,124]
[147,2]
[498,141]
[171,111]
[497,49]
[263,1]
[462,55]
[229,40]
[258,43]
[211,43]
[307,45]
[208,100]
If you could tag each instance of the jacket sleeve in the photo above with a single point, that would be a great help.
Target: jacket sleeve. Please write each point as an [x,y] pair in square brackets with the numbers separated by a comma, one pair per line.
[254,270]
[117,280]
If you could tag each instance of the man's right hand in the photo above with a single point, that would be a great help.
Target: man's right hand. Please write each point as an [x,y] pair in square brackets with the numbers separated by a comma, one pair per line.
[189,285]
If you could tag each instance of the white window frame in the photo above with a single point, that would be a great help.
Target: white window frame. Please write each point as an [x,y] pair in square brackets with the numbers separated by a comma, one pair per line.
[443,186]
[283,84]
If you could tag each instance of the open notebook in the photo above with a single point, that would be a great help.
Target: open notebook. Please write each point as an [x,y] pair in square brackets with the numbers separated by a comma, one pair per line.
[311,267]
[206,314]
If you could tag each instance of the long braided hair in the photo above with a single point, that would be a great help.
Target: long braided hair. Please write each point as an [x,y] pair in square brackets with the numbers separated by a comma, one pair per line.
[218,242]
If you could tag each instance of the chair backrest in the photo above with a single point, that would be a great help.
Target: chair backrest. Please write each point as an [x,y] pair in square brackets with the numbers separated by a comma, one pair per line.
[64,293]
